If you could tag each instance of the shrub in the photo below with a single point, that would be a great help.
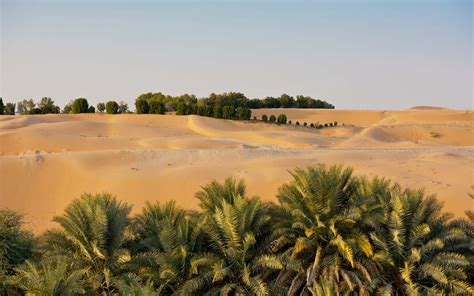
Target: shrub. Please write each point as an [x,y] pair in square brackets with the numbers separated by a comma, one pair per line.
[156,107]
[141,105]
[335,123]
[272,118]
[330,124]
[311,125]
[217,111]
[289,122]
[181,109]
[123,107]
[228,112]
[79,105]
[112,107]
[264,118]
[46,105]
[243,113]
[101,107]
[2,107]
[208,111]
[320,126]
[281,119]
[35,111]
[297,123]
[254,118]
[325,125]
[91,109]
[305,124]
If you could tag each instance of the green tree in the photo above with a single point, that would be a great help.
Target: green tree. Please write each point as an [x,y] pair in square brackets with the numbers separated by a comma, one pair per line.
[16,246]
[50,279]
[91,109]
[79,105]
[264,118]
[2,107]
[10,108]
[141,105]
[101,107]
[25,106]
[272,118]
[239,231]
[217,111]
[68,108]
[281,119]
[413,243]
[228,112]
[156,106]
[287,101]
[46,105]
[123,107]
[111,107]
[92,236]
[321,233]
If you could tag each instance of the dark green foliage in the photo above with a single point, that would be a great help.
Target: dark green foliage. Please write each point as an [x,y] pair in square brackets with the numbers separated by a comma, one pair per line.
[112,107]
[123,107]
[10,109]
[243,113]
[331,233]
[272,118]
[35,111]
[25,106]
[141,106]
[101,107]
[16,246]
[91,109]
[281,119]
[2,107]
[46,105]
[228,112]
[156,107]
[181,109]
[79,105]
[264,118]
[68,108]
[287,101]
[217,111]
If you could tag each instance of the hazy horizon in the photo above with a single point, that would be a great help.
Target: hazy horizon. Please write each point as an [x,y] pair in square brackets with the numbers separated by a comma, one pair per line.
[353,54]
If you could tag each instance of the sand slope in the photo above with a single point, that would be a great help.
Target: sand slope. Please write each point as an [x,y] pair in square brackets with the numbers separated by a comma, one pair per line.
[45,161]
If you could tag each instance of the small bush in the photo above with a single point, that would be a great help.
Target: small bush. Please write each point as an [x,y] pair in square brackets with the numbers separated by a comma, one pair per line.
[311,125]
[330,124]
[325,125]
[141,105]
[272,118]
[35,111]
[320,126]
[297,123]
[101,107]
[91,109]
[79,105]
[255,118]
[335,123]
[264,118]
[112,107]
[289,122]
[305,124]
[281,119]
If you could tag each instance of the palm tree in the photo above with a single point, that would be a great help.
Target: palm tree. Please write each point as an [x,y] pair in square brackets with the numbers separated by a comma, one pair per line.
[172,238]
[50,279]
[321,234]
[92,235]
[239,230]
[412,241]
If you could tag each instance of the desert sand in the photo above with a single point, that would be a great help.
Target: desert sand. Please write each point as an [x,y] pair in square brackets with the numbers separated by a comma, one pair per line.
[47,160]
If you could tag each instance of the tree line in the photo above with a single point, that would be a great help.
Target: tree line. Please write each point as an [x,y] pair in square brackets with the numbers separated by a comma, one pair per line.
[330,233]
[231,105]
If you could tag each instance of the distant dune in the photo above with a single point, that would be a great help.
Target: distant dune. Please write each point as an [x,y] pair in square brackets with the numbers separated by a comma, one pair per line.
[47,160]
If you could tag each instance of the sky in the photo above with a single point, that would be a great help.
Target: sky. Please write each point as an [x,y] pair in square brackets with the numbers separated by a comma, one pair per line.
[355,54]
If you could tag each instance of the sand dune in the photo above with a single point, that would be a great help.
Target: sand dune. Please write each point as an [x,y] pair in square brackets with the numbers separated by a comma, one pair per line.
[45,161]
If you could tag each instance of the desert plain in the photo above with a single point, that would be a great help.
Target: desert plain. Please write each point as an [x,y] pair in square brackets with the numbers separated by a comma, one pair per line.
[48,160]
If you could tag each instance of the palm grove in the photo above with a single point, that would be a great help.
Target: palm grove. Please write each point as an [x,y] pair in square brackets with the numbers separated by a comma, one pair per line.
[330,233]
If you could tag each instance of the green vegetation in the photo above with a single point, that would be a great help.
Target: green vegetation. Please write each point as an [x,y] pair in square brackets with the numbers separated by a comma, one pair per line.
[281,119]
[272,119]
[330,233]
[112,107]
[79,105]
[2,107]
[101,107]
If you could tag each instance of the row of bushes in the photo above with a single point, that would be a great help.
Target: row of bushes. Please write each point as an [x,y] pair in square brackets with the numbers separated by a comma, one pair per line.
[282,119]
[45,106]
[81,105]
[331,233]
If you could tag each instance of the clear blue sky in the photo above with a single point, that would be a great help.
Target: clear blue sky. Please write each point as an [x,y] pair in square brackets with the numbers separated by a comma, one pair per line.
[355,54]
